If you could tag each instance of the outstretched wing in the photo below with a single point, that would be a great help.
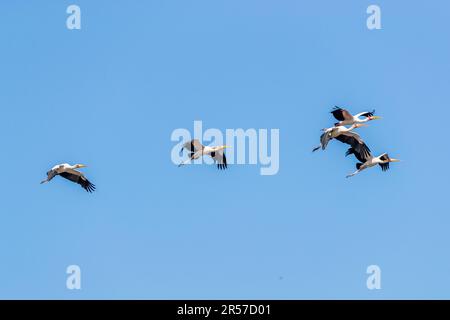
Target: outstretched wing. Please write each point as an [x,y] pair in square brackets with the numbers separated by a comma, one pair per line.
[51,174]
[324,139]
[354,140]
[220,158]
[341,114]
[358,155]
[366,114]
[192,146]
[78,177]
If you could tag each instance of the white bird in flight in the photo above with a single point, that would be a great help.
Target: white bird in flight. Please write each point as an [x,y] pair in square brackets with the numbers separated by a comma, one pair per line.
[368,161]
[196,150]
[346,118]
[69,172]
[344,135]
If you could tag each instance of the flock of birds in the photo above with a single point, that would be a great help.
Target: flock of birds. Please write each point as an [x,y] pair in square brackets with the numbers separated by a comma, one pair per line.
[194,147]
[196,150]
[357,146]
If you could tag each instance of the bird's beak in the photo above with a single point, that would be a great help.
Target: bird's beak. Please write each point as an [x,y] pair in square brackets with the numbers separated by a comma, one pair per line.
[394,160]
[375,118]
[226,147]
[82,166]
[359,125]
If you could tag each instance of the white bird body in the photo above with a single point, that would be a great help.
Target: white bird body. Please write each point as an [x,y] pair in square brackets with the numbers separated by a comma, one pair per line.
[336,131]
[63,167]
[370,163]
[355,119]
[203,152]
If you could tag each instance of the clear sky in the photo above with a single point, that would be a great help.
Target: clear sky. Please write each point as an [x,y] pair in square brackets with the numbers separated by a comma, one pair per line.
[110,95]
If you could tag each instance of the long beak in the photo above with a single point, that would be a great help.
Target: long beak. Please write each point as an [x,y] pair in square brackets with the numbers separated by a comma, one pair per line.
[83,166]
[394,160]
[226,147]
[375,117]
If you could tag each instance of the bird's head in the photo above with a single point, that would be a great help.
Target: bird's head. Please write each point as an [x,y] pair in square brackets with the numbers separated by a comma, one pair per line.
[78,166]
[386,159]
[374,117]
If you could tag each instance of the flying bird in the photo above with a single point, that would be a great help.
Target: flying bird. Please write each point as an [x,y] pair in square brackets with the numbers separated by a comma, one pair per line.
[344,135]
[346,118]
[69,172]
[196,150]
[368,161]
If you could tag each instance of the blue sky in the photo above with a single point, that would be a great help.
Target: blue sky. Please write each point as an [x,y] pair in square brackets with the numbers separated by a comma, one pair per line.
[110,95]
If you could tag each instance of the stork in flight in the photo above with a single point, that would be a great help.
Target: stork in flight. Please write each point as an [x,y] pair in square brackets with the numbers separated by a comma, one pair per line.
[69,172]
[196,150]
[368,161]
[344,135]
[345,118]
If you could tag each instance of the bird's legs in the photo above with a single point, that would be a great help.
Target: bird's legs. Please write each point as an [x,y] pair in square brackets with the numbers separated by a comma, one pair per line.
[193,156]
[354,173]
[184,162]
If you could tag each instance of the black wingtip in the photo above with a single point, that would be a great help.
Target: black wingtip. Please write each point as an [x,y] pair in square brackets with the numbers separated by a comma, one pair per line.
[335,108]
[221,166]
[89,188]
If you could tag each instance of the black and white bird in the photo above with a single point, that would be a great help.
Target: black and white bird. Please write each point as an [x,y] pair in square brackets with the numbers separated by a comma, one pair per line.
[196,150]
[344,135]
[346,118]
[368,161]
[69,172]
